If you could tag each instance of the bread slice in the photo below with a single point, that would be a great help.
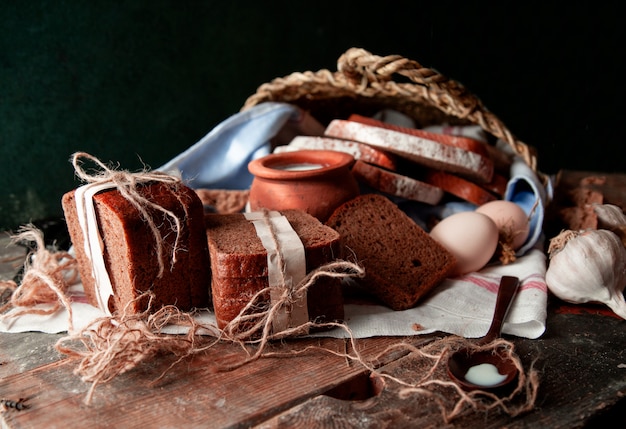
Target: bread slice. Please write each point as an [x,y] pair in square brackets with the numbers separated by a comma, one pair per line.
[459,187]
[239,264]
[429,153]
[396,184]
[358,150]
[461,142]
[402,262]
[130,254]
[497,185]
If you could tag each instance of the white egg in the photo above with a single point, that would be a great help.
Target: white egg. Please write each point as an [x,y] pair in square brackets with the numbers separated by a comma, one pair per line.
[511,220]
[470,236]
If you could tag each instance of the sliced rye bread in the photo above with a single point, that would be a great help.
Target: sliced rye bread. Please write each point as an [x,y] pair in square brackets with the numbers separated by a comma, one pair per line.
[459,187]
[497,185]
[239,264]
[358,150]
[426,152]
[402,262]
[395,184]
[461,142]
[129,249]
[502,162]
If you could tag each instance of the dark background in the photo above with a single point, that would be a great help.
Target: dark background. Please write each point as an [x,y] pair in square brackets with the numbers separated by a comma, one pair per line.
[143,79]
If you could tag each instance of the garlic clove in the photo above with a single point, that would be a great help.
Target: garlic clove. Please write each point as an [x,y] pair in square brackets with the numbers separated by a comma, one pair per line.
[617,303]
[611,217]
[588,266]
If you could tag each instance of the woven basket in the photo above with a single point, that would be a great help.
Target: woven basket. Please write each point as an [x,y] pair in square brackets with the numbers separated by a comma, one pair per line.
[364,84]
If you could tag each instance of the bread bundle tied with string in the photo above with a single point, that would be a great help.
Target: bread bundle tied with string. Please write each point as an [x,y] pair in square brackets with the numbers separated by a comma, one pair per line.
[275,274]
[136,234]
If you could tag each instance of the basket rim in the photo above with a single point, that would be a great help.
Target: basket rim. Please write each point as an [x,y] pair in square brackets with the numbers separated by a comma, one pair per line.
[360,75]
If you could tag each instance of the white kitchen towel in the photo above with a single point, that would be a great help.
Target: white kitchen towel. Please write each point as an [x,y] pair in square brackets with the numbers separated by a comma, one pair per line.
[463,306]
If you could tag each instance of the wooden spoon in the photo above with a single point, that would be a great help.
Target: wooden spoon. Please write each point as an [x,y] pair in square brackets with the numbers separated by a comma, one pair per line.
[464,359]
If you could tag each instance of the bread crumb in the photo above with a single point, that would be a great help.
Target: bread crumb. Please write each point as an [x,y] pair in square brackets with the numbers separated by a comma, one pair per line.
[417,327]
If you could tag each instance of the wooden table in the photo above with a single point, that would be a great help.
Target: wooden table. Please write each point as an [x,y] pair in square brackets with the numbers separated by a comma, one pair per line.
[581,360]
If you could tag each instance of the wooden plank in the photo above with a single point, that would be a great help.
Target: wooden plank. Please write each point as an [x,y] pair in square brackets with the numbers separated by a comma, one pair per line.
[22,352]
[191,394]
[582,369]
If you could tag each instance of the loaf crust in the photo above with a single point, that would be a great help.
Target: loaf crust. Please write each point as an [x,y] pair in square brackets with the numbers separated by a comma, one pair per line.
[130,252]
[402,262]
[224,201]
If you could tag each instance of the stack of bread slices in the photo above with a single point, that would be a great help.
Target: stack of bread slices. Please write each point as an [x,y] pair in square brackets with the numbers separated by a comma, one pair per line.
[414,164]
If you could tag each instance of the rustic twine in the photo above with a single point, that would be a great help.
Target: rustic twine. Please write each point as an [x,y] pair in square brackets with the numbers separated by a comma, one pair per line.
[127,184]
[452,400]
[110,346]
[426,375]
[48,274]
[255,327]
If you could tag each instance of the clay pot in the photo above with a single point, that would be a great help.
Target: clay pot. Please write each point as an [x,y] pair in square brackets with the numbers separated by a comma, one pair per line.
[316,181]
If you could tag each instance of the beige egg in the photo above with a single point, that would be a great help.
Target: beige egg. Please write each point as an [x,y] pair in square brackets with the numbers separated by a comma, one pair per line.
[470,236]
[511,219]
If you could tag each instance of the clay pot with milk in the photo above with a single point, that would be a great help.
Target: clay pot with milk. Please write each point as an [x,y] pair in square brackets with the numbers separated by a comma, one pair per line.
[316,181]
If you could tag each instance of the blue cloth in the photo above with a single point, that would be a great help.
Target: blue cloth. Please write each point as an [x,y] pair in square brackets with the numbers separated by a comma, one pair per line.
[220,159]
[525,189]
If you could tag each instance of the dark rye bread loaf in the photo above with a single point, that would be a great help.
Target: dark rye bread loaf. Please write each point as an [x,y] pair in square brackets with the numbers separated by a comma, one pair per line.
[239,264]
[223,200]
[402,262]
[130,253]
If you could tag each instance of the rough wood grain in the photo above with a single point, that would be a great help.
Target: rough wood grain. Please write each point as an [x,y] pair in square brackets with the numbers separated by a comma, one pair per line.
[581,360]
[191,394]
[582,364]
[21,352]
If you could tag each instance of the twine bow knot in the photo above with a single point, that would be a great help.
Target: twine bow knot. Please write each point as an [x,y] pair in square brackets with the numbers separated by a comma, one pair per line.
[128,184]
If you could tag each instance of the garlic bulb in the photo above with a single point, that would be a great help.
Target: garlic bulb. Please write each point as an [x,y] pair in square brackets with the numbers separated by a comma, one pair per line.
[588,266]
